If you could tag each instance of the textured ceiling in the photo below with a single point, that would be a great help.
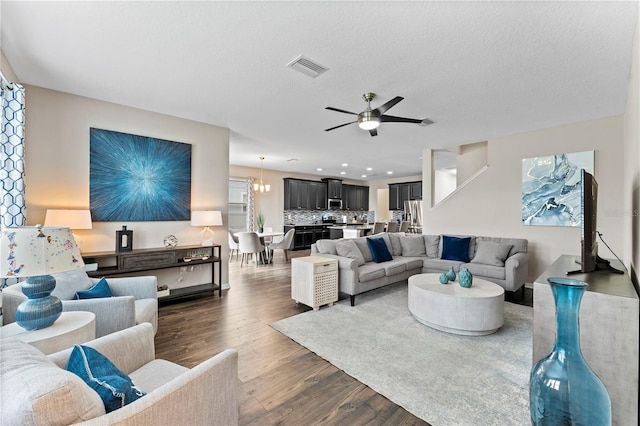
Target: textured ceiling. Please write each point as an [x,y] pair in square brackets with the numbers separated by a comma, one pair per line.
[478,69]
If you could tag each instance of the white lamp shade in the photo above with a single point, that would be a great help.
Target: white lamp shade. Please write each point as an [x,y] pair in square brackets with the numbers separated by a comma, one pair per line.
[206,218]
[36,250]
[74,219]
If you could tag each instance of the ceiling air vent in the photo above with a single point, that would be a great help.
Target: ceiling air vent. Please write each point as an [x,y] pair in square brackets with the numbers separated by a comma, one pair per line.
[307,66]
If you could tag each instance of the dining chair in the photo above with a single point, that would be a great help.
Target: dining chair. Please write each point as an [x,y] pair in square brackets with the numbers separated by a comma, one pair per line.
[286,244]
[393,227]
[233,245]
[404,226]
[378,227]
[249,244]
[267,240]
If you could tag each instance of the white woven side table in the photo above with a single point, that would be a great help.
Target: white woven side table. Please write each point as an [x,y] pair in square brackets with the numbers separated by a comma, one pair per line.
[314,281]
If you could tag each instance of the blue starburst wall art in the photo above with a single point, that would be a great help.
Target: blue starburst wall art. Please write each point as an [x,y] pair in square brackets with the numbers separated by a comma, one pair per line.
[137,178]
[551,188]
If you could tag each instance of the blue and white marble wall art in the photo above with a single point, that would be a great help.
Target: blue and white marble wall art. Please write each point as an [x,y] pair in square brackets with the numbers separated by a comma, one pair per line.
[551,188]
[138,178]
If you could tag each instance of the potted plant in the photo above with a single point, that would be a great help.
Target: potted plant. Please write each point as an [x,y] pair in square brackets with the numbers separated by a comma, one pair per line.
[260,221]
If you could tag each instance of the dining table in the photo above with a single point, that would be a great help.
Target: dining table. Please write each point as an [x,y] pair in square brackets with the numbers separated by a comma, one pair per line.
[262,236]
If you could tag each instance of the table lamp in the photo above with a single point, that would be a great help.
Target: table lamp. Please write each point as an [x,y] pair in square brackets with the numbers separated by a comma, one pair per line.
[206,218]
[74,219]
[36,252]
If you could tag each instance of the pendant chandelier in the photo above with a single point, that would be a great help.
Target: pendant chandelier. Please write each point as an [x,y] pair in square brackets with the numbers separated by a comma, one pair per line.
[261,186]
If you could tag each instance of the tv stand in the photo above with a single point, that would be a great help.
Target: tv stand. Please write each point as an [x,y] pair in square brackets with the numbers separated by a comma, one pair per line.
[602,265]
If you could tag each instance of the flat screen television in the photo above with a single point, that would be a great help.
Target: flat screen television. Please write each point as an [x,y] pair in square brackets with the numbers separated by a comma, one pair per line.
[589,259]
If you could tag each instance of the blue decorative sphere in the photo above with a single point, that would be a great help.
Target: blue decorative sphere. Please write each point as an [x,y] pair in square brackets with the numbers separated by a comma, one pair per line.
[451,274]
[465,278]
[443,278]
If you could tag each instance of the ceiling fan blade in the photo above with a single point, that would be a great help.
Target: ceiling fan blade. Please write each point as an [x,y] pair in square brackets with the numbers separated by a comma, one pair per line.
[342,125]
[386,106]
[393,119]
[373,132]
[341,110]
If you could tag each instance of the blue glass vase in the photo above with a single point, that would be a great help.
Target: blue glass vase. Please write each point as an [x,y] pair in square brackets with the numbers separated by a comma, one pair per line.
[563,390]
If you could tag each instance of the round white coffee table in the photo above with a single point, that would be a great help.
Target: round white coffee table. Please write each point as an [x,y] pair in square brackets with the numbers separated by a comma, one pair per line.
[475,311]
[73,327]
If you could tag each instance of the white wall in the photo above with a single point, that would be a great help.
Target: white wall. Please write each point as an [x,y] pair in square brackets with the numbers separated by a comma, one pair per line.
[491,203]
[444,183]
[57,164]
[471,158]
[631,187]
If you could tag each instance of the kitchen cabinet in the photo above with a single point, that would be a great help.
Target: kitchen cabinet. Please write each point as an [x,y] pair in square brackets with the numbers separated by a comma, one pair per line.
[304,195]
[401,192]
[355,197]
[306,235]
[334,188]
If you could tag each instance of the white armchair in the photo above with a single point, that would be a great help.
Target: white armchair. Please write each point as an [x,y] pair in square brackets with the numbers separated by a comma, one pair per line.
[135,300]
[37,389]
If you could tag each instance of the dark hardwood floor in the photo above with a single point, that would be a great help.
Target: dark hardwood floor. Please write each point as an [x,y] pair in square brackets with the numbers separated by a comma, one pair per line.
[281,382]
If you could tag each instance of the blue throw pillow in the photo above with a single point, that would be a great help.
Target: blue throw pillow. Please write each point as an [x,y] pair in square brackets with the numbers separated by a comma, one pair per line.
[379,250]
[455,248]
[114,387]
[100,289]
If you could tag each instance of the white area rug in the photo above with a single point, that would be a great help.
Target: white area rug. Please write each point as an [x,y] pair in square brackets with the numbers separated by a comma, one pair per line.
[442,378]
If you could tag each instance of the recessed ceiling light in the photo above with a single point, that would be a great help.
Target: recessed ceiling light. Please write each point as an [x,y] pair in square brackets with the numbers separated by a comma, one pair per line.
[343,173]
[364,175]
[369,169]
[344,164]
[389,172]
[319,169]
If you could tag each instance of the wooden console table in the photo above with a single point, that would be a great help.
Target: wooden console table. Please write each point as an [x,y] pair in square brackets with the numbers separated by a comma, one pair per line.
[112,263]
[609,327]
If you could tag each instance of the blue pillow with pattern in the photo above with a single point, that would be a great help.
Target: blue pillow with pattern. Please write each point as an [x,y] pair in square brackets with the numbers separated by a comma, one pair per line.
[116,389]
[100,289]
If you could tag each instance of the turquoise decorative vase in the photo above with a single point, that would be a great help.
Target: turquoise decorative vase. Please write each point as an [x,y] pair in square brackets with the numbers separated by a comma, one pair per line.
[41,309]
[465,278]
[451,274]
[443,278]
[563,390]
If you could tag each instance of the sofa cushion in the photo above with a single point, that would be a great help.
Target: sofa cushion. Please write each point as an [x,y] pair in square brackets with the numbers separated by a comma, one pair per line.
[68,283]
[327,246]
[455,248]
[486,271]
[490,253]
[413,245]
[432,244]
[411,262]
[99,290]
[394,267]
[36,391]
[348,248]
[520,245]
[379,250]
[396,248]
[363,246]
[116,389]
[370,272]
[440,265]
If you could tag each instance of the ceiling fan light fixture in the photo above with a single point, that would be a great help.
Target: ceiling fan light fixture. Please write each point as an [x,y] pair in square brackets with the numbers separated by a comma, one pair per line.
[367,120]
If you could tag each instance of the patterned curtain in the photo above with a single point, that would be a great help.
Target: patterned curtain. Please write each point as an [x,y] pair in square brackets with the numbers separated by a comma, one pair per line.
[251,204]
[12,199]
[12,202]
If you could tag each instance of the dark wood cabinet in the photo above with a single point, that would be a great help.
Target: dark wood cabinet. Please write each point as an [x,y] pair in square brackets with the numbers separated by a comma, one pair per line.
[303,194]
[355,197]
[306,235]
[142,260]
[334,188]
[401,192]
[317,196]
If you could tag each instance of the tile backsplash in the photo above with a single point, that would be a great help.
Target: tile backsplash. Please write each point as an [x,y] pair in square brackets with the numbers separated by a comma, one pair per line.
[314,216]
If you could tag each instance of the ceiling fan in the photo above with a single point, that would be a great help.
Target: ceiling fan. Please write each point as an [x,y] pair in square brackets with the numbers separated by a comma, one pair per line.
[370,119]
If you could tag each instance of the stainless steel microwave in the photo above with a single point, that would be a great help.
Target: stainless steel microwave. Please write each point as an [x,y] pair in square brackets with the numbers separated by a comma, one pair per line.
[334,203]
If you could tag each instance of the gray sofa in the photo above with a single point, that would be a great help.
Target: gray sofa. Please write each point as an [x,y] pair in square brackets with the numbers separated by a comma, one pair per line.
[504,261]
